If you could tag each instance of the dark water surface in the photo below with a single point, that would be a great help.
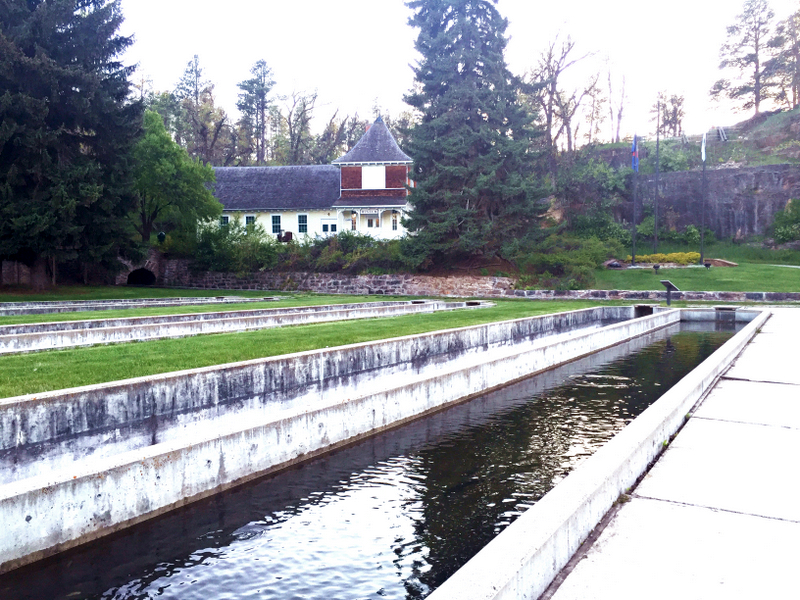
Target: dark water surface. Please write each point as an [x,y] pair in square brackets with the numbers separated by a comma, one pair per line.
[393,516]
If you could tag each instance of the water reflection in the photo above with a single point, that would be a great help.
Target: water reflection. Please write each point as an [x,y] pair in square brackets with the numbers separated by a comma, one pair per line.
[392,517]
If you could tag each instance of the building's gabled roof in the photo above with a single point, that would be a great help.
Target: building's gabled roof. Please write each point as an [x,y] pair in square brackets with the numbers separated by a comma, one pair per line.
[377,145]
[277,188]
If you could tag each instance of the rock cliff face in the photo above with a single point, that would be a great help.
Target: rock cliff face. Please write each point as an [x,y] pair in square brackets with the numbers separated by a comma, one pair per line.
[741,202]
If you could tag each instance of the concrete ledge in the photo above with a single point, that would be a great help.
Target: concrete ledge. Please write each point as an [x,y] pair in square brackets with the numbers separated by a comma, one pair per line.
[320,400]
[10,309]
[68,334]
[522,561]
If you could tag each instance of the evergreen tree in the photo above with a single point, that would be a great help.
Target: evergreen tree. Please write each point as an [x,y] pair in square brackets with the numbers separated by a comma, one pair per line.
[472,147]
[786,64]
[747,50]
[254,103]
[67,131]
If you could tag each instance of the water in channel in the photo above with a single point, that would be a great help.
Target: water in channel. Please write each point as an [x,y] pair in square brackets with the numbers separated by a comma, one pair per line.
[393,516]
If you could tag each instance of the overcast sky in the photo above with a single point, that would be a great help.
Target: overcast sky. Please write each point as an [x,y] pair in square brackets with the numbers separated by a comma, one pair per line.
[357,52]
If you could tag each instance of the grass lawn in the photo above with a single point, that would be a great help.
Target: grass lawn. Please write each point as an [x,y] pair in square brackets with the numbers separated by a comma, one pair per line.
[58,369]
[744,278]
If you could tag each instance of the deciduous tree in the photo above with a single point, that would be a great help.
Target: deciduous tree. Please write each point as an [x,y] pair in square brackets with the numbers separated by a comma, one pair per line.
[171,187]
[295,141]
[206,122]
[554,104]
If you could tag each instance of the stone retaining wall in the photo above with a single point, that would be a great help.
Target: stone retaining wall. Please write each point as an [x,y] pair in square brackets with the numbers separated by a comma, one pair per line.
[176,273]
[658,296]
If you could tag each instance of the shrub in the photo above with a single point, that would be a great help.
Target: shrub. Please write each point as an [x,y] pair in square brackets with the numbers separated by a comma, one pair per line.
[691,236]
[680,258]
[786,227]
[563,262]
[234,248]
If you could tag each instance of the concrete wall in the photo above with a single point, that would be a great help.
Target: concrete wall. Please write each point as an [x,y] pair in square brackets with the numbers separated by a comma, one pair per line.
[14,273]
[82,463]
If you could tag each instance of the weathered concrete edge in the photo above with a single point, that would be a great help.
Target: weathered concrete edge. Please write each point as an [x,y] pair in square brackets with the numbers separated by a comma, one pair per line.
[18,328]
[14,309]
[71,338]
[172,376]
[212,464]
[524,559]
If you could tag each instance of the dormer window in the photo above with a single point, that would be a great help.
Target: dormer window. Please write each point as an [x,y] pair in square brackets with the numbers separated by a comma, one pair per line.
[373,177]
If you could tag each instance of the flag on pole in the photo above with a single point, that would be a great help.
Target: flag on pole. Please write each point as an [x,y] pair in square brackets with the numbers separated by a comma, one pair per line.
[703,148]
[635,154]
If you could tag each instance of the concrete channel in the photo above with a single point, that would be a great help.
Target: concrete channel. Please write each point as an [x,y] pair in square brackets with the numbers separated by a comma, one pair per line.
[12,309]
[525,558]
[81,463]
[66,334]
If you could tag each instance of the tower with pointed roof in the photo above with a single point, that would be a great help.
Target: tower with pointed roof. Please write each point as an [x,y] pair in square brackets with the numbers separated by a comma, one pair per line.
[374,183]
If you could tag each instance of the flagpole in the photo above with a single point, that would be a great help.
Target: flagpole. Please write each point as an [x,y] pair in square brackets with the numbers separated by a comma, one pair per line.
[703,206]
[635,167]
[658,168]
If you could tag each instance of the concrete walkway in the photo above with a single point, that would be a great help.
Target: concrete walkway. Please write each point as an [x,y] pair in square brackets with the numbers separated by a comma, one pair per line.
[718,516]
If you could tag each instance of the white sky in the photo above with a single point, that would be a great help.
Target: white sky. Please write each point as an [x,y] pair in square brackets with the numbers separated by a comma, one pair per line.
[354,52]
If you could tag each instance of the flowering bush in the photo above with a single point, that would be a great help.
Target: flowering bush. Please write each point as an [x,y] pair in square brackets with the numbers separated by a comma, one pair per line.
[680,258]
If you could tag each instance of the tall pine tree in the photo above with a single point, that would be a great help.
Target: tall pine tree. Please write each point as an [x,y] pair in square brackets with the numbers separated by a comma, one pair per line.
[473,147]
[67,132]
[254,103]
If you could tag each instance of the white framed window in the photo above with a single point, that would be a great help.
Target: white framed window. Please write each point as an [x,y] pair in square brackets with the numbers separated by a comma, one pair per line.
[224,220]
[250,220]
[276,223]
[302,223]
[373,177]
[353,221]
[369,222]
[394,221]
[329,226]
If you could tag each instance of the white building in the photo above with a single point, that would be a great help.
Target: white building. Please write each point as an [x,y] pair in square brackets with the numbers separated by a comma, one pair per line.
[365,191]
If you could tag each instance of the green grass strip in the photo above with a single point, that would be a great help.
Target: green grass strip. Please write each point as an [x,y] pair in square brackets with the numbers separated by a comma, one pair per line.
[58,369]
[744,278]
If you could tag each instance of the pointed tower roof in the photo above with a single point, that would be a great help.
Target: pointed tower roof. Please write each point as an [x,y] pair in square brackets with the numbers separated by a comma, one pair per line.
[377,145]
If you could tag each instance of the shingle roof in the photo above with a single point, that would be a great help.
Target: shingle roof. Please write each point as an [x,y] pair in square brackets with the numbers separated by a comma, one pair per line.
[367,201]
[376,145]
[304,187]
